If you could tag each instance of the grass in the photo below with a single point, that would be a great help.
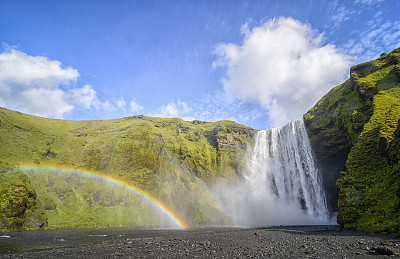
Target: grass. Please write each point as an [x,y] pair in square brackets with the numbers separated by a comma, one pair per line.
[166,157]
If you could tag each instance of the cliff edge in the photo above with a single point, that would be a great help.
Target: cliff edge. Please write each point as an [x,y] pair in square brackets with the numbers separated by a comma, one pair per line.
[354,133]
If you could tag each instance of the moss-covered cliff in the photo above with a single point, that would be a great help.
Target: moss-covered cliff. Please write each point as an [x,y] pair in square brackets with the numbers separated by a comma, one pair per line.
[19,206]
[354,129]
[171,158]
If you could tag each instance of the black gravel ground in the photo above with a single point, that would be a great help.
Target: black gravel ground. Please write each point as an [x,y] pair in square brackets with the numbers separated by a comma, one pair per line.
[272,242]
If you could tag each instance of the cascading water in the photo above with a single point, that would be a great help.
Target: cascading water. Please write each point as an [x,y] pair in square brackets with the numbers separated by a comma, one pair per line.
[282,184]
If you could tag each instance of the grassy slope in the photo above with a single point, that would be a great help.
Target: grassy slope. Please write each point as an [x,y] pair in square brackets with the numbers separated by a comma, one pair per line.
[171,158]
[356,121]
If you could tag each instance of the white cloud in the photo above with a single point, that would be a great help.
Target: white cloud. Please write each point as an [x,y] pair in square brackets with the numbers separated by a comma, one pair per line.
[368,2]
[134,106]
[215,108]
[85,97]
[41,102]
[380,36]
[39,86]
[175,110]
[340,15]
[107,106]
[120,102]
[283,65]
[18,70]
[212,107]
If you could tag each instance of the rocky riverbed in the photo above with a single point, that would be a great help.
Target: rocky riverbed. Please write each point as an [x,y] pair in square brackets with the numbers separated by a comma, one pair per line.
[271,242]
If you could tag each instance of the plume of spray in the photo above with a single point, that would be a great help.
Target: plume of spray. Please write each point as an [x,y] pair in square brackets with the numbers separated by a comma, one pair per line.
[191,197]
[281,184]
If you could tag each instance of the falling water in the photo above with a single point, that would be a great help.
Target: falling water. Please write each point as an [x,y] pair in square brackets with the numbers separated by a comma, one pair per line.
[282,184]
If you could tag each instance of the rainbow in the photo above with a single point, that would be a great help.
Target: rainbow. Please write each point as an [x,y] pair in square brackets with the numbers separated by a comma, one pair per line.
[118,182]
[204,192]
[213,202]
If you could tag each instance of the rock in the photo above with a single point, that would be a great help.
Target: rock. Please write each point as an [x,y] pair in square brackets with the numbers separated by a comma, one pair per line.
[366,89]
[50,154]
[381,250]
[19,206]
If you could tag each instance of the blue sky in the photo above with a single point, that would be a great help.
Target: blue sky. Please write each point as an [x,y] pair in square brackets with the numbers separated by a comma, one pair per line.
[260,63]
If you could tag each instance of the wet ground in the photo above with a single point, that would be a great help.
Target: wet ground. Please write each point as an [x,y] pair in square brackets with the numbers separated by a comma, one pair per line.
[271,242]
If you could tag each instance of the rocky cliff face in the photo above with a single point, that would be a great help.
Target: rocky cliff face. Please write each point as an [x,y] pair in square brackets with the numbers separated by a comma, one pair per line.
[19,206]
[173,159]
[353,129]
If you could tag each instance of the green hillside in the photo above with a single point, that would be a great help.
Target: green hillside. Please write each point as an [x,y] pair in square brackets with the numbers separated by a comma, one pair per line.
[355,129]
[60,174]
[172,159]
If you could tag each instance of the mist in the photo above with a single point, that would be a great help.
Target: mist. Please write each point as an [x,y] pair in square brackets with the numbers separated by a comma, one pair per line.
[281,185]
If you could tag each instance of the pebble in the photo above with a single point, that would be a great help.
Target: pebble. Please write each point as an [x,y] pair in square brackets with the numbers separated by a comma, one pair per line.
[273,242]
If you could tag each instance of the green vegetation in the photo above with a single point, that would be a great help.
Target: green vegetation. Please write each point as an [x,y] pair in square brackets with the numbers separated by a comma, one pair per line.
[172,159]
[73,201]
[357,124]
[19,207]
[354,129]
[369,190]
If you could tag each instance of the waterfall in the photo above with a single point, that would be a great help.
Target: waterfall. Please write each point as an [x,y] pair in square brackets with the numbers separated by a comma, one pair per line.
[282,184]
